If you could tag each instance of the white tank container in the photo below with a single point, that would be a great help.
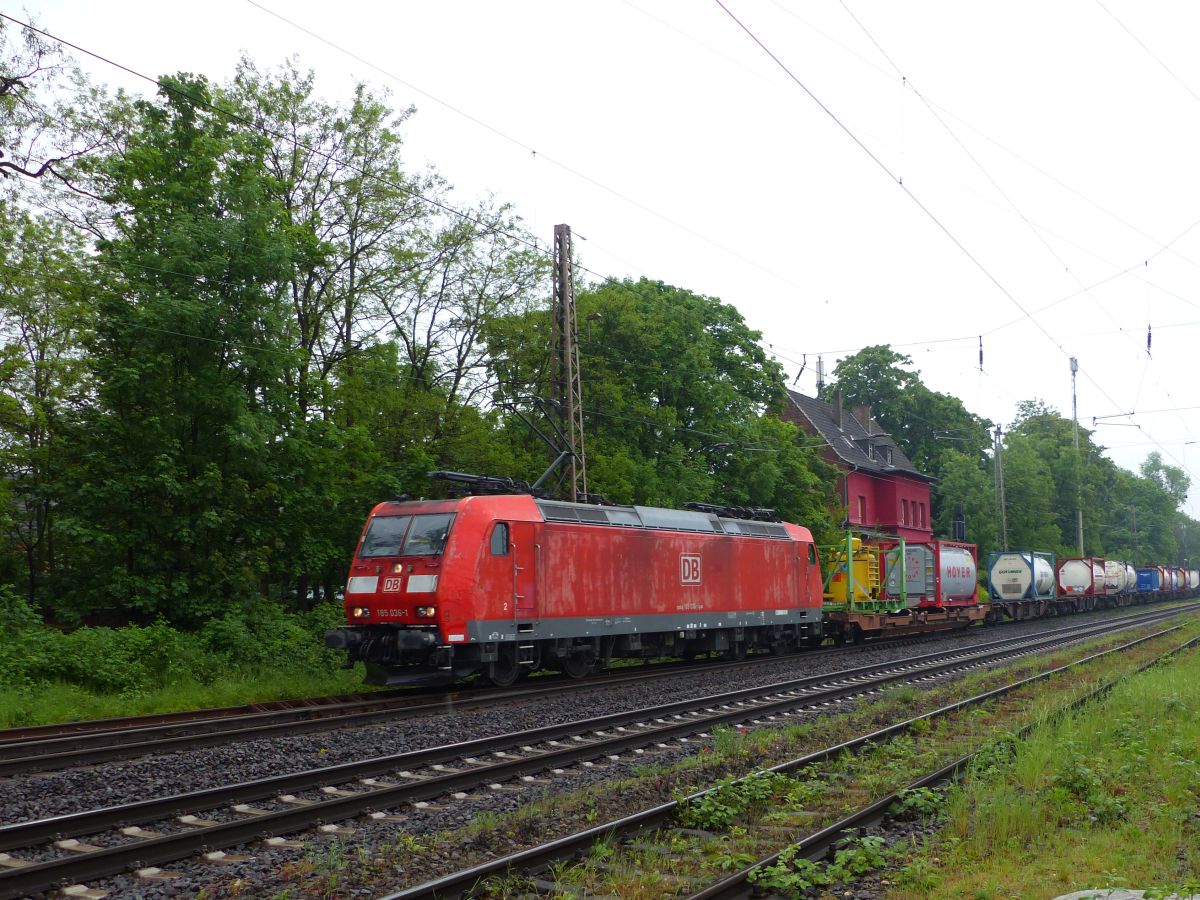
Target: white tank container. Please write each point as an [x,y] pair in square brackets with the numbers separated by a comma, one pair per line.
[1076,577]
[1021,576]
[1175,580]
[958,573]
[1193,579]
[1115,577]
[1130,578]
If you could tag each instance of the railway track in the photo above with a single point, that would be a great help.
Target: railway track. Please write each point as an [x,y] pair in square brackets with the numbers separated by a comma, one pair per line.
[47,748]
[526,865]
[50,747]
[152,832]
[820,844]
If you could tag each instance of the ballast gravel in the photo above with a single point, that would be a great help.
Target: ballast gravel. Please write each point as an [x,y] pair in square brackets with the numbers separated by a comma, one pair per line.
[255,868]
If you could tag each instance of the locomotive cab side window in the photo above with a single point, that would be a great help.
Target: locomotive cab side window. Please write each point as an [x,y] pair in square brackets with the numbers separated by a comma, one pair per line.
[500,539]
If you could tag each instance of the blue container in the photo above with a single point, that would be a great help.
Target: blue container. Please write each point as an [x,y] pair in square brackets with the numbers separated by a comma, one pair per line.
[1149,580]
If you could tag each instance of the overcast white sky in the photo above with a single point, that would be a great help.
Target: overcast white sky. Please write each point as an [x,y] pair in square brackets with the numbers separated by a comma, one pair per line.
[1057,146]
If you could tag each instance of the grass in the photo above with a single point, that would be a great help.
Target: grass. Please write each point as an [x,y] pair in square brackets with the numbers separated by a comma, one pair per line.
[1107,797]
[736,814]
[248,655]
[61,702]
[751,822]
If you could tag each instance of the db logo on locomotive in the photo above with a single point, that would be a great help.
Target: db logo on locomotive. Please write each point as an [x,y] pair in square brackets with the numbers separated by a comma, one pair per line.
[689,568]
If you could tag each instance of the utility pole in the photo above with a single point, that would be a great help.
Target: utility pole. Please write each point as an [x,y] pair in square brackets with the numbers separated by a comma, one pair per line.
[1001,512]
[1078,468]
[567,389]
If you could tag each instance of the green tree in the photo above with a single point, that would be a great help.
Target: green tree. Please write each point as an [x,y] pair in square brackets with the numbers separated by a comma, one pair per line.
[43,380]
[965,481]
[1172,479]
[1030,497]
[173,479]
[387,293]
[678,397]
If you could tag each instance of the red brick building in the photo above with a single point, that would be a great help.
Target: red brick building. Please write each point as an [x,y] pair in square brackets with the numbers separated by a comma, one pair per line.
[881,489]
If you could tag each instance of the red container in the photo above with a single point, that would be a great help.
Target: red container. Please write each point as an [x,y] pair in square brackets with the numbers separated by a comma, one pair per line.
[1081,576]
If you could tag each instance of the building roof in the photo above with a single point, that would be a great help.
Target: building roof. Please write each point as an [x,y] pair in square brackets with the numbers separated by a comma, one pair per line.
[874,451]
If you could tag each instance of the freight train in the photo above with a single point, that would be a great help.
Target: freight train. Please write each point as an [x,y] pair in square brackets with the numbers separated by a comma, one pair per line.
[503,584]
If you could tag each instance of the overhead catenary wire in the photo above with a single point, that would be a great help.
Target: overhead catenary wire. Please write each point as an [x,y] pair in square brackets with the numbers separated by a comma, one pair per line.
[1174,77]
[583,176]
[1025,219]
[235,116]
[398,374]
[529,149]
[489,227]
[992,181]
[909,193]
[999,145]
[896,179]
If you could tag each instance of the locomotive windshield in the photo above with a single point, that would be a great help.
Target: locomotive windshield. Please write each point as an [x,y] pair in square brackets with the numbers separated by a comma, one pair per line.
[384,536]
[427,536]
[393,536]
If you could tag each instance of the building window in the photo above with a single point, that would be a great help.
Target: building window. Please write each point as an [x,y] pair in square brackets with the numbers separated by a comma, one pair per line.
[924,522]
[862,510]
[904,511]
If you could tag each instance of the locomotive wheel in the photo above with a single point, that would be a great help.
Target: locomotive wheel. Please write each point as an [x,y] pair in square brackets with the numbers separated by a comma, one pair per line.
[736,651]
[505,670]
[576,665]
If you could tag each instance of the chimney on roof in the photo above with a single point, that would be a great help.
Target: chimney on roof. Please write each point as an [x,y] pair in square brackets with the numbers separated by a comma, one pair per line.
[863,414]
[837,407]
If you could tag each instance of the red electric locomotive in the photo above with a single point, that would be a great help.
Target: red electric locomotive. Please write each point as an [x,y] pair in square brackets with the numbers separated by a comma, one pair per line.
[504,584]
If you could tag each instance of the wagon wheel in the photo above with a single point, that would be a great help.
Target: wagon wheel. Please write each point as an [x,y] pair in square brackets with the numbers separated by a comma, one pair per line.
[736,651]
[505,670]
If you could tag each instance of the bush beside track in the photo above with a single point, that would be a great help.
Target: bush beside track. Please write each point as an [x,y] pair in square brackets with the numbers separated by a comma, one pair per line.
[260,653]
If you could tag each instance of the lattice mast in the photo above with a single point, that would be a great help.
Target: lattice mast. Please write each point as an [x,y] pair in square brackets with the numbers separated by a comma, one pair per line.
[1001,508]
[565,344]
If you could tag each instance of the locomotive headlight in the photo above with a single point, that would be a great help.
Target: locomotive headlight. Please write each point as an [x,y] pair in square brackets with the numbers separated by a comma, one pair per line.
[360,612]
[426,612]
